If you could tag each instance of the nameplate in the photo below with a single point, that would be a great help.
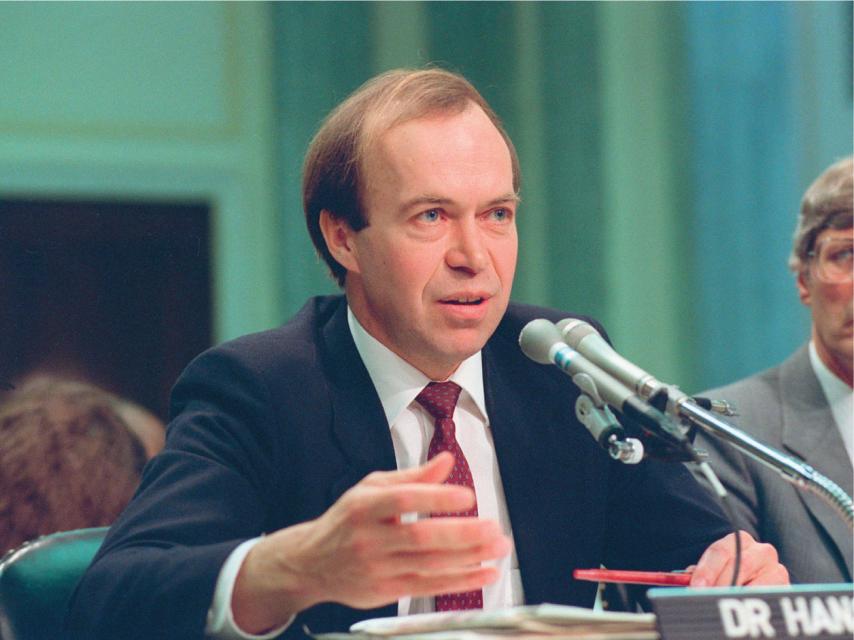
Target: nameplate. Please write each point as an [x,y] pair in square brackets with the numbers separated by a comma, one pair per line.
[804,611]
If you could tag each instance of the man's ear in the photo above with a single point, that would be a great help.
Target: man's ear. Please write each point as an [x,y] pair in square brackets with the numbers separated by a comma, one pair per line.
[803,289]
[339,240]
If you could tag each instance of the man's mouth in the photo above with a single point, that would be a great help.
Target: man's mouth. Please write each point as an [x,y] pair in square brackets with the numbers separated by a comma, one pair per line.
[465,300]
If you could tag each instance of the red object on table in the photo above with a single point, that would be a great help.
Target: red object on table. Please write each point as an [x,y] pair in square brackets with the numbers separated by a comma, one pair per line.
[657,578]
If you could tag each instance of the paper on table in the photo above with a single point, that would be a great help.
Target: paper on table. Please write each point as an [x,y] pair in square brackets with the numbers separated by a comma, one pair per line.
[570,633]
[544,618]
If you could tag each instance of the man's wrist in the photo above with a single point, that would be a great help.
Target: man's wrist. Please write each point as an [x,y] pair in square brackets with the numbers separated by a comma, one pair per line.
[269,589]
[220,622]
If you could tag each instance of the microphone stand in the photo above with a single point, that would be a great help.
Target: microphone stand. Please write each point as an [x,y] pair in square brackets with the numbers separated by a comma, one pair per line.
[792,470]
[592,411]
[670,399]
[594,414]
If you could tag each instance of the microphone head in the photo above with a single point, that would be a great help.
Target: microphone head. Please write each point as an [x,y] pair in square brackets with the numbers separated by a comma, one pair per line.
[537,339]
[573,331]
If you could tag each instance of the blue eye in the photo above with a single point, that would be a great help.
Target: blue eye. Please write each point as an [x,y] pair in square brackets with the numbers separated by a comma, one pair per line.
[430,216]
[500,214]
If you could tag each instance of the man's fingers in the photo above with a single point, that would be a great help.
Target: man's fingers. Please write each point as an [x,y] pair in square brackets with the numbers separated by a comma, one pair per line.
[442,559]
[759,564]
[437,534]
[427,546]
[388,494]
[434,471]
[771,575]
[384,502]
[452,581]
[715,560]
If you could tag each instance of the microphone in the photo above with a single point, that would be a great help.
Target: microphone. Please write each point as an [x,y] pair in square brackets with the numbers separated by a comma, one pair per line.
[587,340]
[541,341]
[582,336]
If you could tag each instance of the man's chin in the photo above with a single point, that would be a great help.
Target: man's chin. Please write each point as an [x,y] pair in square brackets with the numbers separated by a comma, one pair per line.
[464,343]
[843,355]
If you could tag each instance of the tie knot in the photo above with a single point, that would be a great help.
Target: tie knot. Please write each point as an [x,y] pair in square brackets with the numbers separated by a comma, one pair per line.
[439,399]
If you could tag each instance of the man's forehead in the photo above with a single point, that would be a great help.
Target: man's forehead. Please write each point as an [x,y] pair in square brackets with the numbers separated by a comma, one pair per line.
[395,140]
[836,232]
[383,134]
[379,122]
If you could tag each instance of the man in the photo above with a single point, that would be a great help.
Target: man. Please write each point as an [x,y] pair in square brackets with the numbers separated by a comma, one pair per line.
[410,193]
[804,406]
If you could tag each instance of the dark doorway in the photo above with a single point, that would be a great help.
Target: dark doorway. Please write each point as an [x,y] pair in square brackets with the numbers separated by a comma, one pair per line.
[114,293]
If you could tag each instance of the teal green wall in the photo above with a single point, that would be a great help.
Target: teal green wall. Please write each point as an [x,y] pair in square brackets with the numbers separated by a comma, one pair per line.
[664,145]
[664,148]
[770,87]
[152,101]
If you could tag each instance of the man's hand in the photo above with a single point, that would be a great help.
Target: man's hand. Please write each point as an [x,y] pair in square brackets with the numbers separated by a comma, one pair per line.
[359,553]
[759,564]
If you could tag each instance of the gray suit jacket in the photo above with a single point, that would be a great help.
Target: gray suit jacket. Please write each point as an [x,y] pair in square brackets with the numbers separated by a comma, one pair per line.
[785,408]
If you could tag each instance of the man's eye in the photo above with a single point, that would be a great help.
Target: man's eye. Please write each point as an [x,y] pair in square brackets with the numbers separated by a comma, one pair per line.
[500,215]
[842,256]
[432,215]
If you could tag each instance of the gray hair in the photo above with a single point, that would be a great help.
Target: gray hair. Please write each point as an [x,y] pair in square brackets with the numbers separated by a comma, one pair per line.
[827,204]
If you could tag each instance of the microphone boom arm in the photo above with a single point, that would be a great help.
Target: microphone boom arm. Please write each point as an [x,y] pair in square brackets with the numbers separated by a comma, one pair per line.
[792,470]
[586,339]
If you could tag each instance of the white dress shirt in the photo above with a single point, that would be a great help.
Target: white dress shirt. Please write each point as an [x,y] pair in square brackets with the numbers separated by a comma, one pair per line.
[397,384]
[839,396]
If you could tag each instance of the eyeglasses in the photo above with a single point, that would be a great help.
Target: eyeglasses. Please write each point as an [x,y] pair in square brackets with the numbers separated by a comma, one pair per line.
[832,260]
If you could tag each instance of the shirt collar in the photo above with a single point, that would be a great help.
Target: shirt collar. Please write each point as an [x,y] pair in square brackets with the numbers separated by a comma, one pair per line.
[398,383]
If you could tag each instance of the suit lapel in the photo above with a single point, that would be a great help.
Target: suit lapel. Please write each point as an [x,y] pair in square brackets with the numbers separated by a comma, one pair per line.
[358,422]
[359,425]
[810,432]
[543,475]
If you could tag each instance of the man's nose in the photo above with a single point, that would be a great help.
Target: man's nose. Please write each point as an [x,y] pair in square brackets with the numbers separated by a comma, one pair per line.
[467,250]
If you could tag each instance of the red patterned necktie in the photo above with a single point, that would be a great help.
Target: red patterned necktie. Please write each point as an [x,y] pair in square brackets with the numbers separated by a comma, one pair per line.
[439,399]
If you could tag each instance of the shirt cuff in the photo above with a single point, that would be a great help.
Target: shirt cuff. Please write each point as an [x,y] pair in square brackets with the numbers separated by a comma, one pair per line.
[220,624]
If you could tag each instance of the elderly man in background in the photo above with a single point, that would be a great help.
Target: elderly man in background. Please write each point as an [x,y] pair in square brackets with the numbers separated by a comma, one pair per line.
[804,405]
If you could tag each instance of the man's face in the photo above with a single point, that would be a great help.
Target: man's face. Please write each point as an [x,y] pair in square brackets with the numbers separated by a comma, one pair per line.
[832,312]
[430,276]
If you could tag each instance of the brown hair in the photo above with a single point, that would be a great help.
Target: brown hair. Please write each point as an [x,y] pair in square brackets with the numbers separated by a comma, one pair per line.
[335,158]
[67,460]
[828,204]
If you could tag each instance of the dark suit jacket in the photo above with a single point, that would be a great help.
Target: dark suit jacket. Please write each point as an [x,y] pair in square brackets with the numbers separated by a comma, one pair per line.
[786,408]
[270,429]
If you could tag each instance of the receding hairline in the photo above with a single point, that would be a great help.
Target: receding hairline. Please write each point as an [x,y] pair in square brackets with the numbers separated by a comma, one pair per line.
[378,122]
[403,95]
